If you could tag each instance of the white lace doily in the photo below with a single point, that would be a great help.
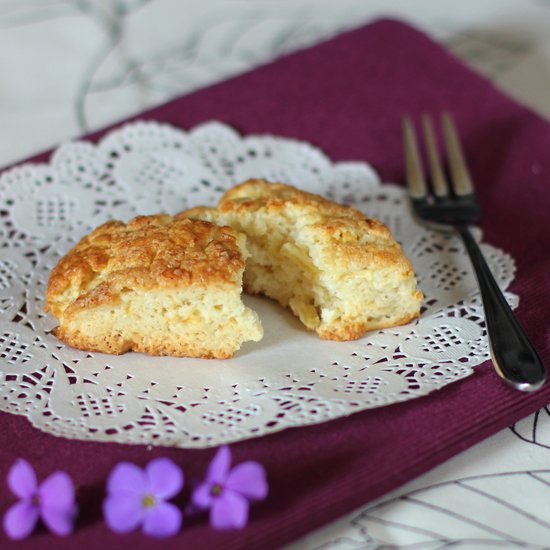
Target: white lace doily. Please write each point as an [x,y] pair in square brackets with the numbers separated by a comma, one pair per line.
[291,377]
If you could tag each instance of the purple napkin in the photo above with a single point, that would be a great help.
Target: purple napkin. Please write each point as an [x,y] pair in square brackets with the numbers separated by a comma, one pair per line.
[347,96]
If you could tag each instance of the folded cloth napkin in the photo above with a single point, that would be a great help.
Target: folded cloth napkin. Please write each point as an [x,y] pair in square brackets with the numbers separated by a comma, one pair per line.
[347,96]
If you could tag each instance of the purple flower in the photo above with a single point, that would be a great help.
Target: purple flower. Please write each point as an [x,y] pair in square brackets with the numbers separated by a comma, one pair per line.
[53,501]
[138,497]
[228,492]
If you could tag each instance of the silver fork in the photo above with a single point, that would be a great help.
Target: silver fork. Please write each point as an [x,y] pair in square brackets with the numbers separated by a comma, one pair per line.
[514,357]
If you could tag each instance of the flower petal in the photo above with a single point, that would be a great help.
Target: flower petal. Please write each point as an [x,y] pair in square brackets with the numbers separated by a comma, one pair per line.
[165,478]
[229,511]
[162,520]
[57,492]
[59,520]
[127,478]
[22,479]
[248,479]
[123,513]
[219,467]
[20,520]
[202,496]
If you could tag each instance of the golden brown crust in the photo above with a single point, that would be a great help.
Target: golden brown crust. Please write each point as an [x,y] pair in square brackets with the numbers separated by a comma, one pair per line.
[355,240]
[256,194]
[150,252]
[155,285]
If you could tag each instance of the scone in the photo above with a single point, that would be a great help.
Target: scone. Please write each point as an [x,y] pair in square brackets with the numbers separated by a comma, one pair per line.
[340,272]
[158,285]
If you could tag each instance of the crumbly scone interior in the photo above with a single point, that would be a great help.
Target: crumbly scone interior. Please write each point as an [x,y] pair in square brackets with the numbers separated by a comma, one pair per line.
[340,277]
[181,323]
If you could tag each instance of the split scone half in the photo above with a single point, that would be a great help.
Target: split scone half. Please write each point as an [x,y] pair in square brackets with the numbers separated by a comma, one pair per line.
[158,285]
[340,272]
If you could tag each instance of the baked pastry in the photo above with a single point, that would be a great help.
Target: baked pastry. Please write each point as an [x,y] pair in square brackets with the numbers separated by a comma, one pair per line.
[158,285]
[340,272]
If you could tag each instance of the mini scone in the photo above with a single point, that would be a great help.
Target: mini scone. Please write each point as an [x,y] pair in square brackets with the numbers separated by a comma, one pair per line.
[340,272]
[157,285]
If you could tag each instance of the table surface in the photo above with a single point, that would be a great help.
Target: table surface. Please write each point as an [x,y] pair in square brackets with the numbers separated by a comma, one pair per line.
[73,66]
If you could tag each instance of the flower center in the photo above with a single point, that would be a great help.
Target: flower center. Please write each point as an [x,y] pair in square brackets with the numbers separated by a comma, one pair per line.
[216,490]
[35,500]
[148,501]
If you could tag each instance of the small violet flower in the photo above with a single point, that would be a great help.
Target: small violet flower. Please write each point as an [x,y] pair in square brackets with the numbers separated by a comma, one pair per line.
[53,501]
[138,497]
[228,492]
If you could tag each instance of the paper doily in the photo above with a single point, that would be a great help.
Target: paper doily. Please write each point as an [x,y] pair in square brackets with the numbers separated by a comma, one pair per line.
[291,377]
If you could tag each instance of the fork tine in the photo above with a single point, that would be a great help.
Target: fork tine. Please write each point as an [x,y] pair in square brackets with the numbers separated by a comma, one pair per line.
[439,182]
[415,177]
[461,180]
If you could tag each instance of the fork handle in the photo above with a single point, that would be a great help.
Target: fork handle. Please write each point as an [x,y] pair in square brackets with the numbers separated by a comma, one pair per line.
[514,357]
